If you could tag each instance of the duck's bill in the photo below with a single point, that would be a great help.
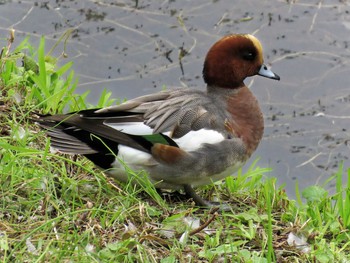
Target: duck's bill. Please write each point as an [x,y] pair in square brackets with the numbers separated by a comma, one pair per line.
[265,72]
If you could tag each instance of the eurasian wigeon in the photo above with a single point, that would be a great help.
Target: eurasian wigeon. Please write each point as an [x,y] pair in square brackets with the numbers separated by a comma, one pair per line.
[181,138]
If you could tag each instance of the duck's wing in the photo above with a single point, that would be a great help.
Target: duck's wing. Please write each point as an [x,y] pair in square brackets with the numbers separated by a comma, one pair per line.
[140,124]
[178,112]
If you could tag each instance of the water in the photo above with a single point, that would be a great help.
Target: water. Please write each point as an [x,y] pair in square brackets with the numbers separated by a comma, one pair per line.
[132,48]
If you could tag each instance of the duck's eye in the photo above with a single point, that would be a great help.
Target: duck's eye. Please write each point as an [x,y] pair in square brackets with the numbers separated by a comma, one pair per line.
[249,56]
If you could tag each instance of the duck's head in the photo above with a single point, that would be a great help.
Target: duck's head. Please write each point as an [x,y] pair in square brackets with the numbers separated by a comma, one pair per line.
[233,58]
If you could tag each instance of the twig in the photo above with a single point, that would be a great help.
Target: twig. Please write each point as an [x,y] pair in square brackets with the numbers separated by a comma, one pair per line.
[200,228]
[310,160]
[315,16]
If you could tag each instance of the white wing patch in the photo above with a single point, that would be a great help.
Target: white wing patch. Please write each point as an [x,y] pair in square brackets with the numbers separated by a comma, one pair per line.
[193,140]
[134,128]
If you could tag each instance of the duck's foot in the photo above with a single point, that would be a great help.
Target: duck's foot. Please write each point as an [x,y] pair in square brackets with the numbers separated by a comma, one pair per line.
[199,201]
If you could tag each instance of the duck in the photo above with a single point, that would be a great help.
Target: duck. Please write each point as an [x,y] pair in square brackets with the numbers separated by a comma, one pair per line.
[180,138]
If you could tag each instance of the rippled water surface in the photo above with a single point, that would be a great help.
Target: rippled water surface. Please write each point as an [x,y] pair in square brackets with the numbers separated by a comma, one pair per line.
[133,47]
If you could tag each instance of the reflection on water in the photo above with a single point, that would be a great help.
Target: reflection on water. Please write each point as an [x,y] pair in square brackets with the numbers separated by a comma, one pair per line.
[137,47]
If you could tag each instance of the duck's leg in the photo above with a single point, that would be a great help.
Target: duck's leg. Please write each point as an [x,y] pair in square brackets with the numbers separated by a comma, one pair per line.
[196,198]
[202,202]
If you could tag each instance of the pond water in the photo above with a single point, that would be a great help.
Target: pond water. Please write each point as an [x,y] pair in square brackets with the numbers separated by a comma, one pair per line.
[132,48]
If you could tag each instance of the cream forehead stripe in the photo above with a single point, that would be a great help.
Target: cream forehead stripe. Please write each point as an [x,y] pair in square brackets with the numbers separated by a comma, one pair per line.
[252,38]
[256,42]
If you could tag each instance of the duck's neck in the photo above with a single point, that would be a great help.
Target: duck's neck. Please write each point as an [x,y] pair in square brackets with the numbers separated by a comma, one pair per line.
[246,117]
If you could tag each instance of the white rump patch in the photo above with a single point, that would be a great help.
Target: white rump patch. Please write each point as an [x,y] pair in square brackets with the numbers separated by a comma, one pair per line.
[133,157]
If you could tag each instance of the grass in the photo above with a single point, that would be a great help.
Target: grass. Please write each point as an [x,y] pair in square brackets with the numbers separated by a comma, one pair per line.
[59,208]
